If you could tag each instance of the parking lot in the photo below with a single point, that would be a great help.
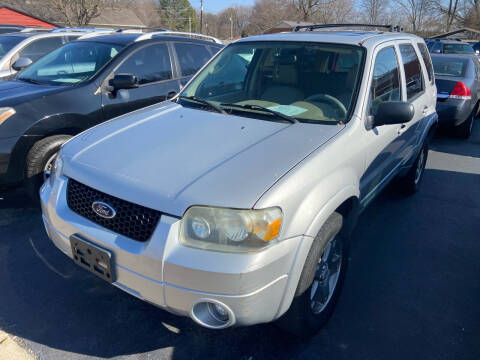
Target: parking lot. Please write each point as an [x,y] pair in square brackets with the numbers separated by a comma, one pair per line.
[412,290]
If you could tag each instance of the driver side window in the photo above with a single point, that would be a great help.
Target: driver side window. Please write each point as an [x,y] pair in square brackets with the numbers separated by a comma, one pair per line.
[386,80]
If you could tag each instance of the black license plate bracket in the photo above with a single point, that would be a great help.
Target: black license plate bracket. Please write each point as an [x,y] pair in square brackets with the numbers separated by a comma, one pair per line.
[93,258]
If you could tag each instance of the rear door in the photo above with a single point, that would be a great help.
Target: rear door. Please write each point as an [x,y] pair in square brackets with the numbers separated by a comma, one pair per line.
[420,92]
[152,66]
[190,58]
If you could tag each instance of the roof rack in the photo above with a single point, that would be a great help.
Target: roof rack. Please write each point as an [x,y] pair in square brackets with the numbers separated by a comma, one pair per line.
[150,35]
[137,28]
[312,27]
[80,29]
[93,34]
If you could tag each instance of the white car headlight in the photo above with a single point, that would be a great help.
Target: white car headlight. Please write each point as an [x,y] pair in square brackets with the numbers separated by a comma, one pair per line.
[5,113]
[230,230]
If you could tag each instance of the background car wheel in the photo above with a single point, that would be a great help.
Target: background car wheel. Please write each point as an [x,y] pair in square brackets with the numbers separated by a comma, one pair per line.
[39,162]
[320,282]
[464,130]
[410,183]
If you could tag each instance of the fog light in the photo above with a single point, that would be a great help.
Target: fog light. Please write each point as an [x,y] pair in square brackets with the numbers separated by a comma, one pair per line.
[218,312]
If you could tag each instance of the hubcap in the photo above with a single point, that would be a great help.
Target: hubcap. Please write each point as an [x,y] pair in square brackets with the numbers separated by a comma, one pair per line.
[420,166]
[326,276]
[47,170]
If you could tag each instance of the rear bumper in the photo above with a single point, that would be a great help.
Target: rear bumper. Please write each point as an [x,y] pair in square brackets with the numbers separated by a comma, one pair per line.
[251,286]
[453,112]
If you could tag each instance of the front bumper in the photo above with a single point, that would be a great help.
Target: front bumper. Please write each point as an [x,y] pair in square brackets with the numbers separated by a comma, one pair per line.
[252,286]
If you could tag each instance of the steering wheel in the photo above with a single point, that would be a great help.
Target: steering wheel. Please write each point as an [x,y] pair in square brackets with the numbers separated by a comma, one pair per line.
[325,98]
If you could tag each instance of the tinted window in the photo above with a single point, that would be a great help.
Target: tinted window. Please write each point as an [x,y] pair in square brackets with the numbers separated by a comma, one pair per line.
[413,71]
[427,60]
[449,67]
[9,42]
[386,79]
[149,64]
[437,47]
[214,49]
[457,49]
[191,57]
[36,49]
[71,63]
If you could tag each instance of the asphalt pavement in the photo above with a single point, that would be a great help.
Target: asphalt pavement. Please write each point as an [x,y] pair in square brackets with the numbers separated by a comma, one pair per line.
[412,290]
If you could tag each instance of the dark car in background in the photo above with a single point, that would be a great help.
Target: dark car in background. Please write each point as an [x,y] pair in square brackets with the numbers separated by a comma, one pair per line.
[444,46]
[458,91]
[84,83]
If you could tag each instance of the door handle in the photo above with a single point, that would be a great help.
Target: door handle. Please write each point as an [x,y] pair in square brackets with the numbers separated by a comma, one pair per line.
[171,94]
[425,110]
[401,129]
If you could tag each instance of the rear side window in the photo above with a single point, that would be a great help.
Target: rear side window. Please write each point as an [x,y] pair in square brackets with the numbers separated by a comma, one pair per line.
[149,64]
[191,57]
[214,49]
[386,79]
[36,49]
[413,71]
[427,60]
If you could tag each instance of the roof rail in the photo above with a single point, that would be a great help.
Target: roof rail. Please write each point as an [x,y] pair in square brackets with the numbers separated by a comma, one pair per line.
[131,29]
[312,27]
[93,34]
[150,35]
[80,29]
[35,29]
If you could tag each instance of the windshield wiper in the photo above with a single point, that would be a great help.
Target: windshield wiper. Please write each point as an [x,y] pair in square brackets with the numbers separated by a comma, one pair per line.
[30,81]
[278,114]
[205,102]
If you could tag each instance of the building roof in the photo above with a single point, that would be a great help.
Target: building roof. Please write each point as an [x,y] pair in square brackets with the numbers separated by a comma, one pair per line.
[117,17]
[12,16]
[454,32]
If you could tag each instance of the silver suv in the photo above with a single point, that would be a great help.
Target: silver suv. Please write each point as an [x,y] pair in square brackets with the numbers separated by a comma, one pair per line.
[234,203]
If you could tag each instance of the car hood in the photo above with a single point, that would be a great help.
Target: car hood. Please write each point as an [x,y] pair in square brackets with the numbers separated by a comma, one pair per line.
[15,92]
[168,157]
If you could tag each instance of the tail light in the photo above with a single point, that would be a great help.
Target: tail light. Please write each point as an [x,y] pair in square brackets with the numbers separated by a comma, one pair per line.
[460,91]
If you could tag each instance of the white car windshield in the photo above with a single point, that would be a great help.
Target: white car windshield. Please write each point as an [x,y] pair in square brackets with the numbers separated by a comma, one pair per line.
[308,82]
[70,64]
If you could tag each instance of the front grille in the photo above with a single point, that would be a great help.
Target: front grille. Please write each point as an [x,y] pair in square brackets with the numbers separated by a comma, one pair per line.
[134,221]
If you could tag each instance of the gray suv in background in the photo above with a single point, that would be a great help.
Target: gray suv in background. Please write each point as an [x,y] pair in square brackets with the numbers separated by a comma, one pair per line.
[234,203]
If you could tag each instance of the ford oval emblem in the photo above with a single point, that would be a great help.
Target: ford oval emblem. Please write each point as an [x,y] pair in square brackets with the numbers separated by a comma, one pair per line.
[103,210]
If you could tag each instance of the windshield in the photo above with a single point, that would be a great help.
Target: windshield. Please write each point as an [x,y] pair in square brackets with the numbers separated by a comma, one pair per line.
[449,67]
[310,82]
[7,43]
[458,49]
[71,63]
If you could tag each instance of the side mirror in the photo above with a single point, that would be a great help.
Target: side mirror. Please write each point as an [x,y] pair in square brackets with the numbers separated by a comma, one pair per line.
[437,51]
[123,81]
[22,63]
[393,112]
[477,52]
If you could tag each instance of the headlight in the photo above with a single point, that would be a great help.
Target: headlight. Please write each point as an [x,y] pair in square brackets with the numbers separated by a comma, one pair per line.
[230,230]
[57,168]
[5,113]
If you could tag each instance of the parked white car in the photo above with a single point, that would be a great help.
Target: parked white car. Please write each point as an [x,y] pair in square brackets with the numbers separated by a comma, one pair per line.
[234,204]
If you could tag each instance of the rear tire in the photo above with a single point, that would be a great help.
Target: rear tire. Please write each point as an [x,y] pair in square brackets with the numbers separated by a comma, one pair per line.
[410,183]
[39,158]
[464,130]
[320,283]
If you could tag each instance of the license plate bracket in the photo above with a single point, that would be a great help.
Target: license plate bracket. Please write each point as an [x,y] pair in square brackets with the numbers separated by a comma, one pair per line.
[93,258]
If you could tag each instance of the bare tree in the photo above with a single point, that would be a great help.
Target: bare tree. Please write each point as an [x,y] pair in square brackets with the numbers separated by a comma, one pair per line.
[374,11]
[338,11]
[416,12]
[308,8]
[78,12]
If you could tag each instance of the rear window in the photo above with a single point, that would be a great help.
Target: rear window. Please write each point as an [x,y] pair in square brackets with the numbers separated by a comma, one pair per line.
[457,49]
[449,67]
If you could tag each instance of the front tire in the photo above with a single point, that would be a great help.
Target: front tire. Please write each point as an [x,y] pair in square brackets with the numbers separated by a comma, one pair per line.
[320,283]
[39,161]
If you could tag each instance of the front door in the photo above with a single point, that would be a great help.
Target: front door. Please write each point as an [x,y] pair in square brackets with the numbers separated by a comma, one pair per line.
[152,66]
[382,142]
